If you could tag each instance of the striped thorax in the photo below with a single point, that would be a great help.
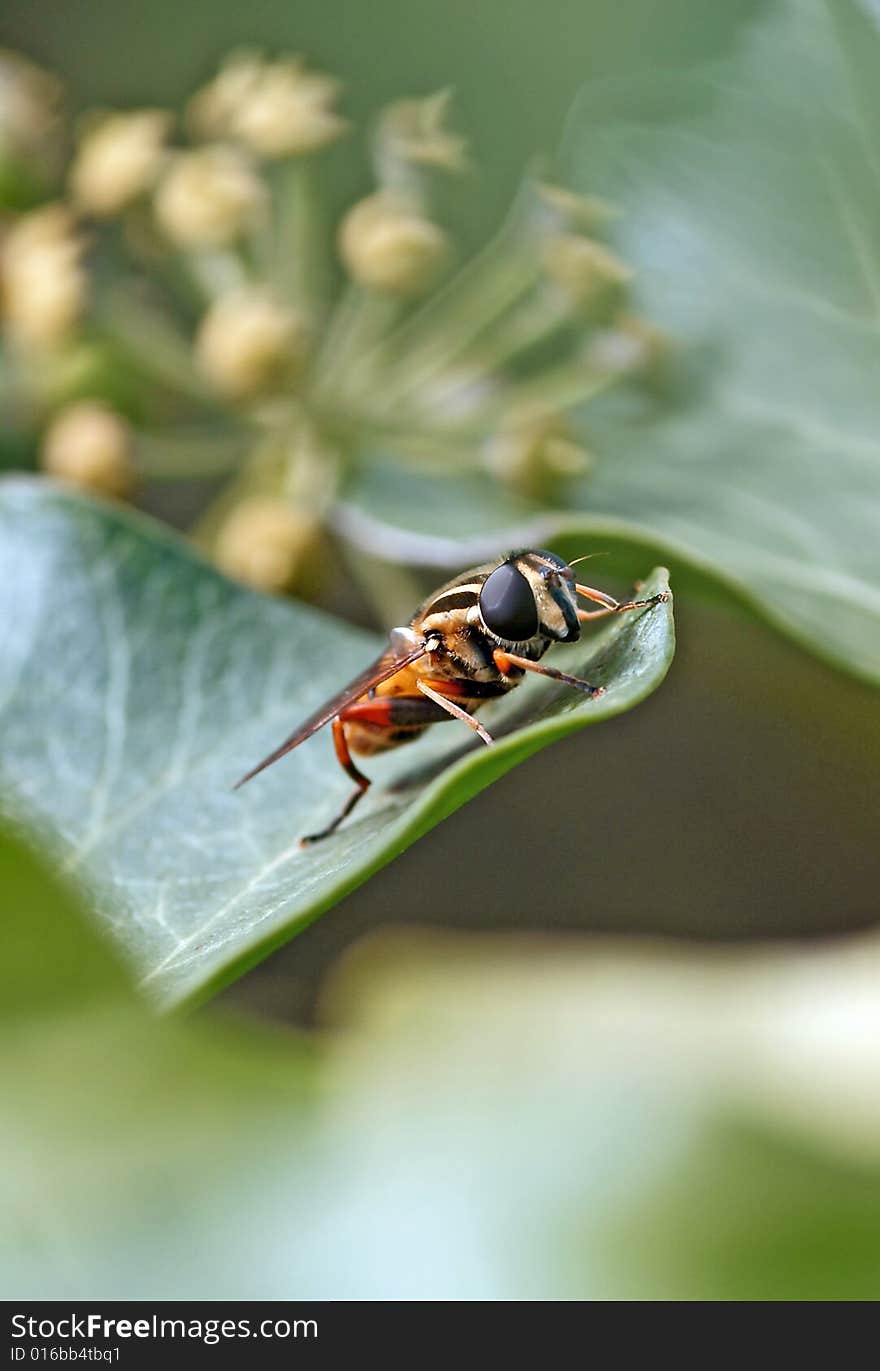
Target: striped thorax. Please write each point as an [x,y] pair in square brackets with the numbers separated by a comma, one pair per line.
[523,602]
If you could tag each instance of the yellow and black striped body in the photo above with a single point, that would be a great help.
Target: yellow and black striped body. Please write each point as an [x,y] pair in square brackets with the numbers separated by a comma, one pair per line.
[470,642]
[464,660]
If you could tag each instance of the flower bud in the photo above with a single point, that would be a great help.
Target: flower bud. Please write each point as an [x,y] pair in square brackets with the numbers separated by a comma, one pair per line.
[118,159]
[388,247]
[415,132]
[90,446]
[44,285]
[583,269]
[208,197]
[213,110]
[268,544]
[533,452]
[290,112]
[30,101]
[563,210]
[278,109]
[247,342]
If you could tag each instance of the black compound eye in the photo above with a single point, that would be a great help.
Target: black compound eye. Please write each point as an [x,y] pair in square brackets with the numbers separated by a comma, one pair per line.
[508,605]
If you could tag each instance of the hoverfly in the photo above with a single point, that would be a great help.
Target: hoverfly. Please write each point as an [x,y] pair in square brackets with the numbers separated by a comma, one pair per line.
[471,641]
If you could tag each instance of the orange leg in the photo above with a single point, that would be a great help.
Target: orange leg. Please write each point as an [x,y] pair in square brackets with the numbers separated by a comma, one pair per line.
[612,606]
[506,660]
[386,711]
[363,782]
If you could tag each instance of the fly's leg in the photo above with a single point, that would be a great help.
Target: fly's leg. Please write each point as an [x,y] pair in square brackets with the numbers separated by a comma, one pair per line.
[363,783]
[505,661]
[438,695]
[612,606]
[430,706]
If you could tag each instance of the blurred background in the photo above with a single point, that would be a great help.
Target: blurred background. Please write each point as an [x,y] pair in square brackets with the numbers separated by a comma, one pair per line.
[738,805]
[514,72]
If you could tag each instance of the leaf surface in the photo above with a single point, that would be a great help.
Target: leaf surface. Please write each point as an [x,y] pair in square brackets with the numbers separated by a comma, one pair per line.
[137,685]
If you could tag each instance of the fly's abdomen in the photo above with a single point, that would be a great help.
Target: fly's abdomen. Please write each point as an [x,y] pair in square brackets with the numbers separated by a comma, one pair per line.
[401,718]
[406,718]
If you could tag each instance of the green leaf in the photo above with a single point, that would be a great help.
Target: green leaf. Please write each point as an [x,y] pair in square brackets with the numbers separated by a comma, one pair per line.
[499,1123]
[754,203]
[751,191]
[137,685]
[39,912]
[123,1122]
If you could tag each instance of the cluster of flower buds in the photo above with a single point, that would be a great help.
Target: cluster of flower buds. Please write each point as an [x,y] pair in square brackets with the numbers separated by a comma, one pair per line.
[172,305]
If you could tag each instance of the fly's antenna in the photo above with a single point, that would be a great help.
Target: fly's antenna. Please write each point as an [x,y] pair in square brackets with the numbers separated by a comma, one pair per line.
[586,557]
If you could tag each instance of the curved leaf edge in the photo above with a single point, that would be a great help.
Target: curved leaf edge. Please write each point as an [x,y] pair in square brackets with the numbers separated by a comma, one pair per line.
[632,543]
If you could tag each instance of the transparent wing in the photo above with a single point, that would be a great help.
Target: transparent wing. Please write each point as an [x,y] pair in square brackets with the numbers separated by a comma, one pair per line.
[381,670]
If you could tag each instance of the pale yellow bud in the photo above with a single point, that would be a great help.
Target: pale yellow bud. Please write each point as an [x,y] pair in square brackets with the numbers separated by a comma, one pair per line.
[209,197]
[534,451]
[247,342]
[90,446]
[118,159]
[582,268]
[268,544]
[390,248]
[44,286]
[278,109]
[290,112]
[415,131]
[30,101]
[565,209]
[212,111]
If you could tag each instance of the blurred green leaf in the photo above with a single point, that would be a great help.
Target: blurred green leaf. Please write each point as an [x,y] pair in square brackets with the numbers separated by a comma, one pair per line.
[136,686]
[752,198]
[506,1122]
[46,962]
[754,202]
[118,1126]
